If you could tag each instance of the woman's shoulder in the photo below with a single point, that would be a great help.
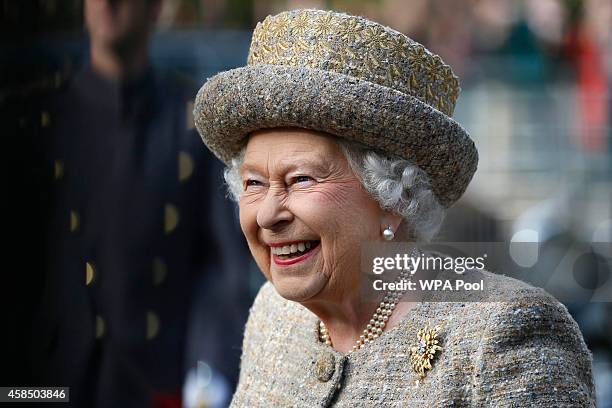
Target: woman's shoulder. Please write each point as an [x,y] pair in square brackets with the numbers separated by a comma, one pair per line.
[531,339]
[518,308]
[512,307]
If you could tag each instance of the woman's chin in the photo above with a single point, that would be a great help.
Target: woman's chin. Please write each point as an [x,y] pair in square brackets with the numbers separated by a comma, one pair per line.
[298,288]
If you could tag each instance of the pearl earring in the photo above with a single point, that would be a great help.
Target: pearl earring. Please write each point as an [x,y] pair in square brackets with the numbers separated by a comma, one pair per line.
[388,233]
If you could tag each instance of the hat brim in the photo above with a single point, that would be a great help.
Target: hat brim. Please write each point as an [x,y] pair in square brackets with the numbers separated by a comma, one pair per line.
[234,103]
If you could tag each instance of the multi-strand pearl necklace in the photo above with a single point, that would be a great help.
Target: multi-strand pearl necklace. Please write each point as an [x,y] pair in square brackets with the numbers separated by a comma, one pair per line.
[379,320]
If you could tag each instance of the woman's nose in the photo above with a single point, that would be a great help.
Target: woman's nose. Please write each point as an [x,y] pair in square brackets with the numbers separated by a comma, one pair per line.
[272,212]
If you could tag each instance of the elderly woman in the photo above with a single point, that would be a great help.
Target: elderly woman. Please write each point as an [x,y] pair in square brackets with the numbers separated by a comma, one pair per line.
[336,133]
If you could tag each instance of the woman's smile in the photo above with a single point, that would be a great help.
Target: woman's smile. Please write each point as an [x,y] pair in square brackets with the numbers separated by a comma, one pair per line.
[291,253]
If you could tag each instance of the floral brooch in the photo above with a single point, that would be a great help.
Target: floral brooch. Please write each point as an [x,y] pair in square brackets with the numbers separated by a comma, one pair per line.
[422,354]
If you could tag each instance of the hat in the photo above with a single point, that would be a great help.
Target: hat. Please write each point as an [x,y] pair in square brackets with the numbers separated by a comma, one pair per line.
[347,76]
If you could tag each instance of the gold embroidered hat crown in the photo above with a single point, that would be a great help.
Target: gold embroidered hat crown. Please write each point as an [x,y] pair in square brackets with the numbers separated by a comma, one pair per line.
[349,77]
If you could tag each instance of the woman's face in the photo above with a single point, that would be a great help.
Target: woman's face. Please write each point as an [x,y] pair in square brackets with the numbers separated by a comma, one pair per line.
[304,213]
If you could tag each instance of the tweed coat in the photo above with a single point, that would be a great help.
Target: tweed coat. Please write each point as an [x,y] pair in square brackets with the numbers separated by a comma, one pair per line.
[520,348]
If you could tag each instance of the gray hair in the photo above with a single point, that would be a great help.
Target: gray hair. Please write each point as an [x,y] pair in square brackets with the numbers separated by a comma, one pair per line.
[396,184]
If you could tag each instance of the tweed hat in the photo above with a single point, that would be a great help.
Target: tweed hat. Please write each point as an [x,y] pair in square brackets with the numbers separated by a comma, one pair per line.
[347,76]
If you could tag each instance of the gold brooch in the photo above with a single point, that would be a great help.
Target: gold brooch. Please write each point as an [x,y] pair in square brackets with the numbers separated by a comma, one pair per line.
[422,354]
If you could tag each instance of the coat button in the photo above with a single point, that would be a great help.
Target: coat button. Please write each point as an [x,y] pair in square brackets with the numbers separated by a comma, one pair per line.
[186,166]
[171,218]
[74,221]
[152,325]
[325,367]
[100,327]
[90,273]
[58,169]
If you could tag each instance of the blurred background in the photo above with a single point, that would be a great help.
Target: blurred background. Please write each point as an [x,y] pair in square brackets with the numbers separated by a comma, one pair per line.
[535,77]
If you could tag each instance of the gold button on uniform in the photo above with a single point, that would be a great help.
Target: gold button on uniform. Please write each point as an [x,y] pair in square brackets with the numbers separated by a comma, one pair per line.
[325,367]
[74,221]
[185,166]
[100,327]
[58,169]
[152,325]
[171,218]
[90,273]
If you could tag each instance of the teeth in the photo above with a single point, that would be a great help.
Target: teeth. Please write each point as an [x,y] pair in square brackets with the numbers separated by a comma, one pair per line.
[291,249]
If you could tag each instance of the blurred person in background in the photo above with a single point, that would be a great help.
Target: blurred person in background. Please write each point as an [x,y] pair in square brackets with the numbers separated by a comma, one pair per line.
[137,228]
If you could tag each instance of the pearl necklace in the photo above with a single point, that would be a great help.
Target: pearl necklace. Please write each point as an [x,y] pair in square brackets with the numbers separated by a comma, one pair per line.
[379,320]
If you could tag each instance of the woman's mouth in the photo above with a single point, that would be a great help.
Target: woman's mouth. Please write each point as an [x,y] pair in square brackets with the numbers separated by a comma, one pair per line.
[294,252]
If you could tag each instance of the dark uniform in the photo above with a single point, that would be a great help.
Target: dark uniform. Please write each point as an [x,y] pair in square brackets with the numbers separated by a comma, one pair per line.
[138,224]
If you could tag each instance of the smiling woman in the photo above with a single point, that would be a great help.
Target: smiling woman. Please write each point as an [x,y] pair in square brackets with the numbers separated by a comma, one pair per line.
[339,132]
[299,187]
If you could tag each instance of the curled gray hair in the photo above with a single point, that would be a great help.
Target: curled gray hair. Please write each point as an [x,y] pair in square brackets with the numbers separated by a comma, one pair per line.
[396,184]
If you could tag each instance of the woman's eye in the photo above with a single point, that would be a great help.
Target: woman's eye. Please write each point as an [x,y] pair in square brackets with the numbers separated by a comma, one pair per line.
[301,179]
[251,183]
